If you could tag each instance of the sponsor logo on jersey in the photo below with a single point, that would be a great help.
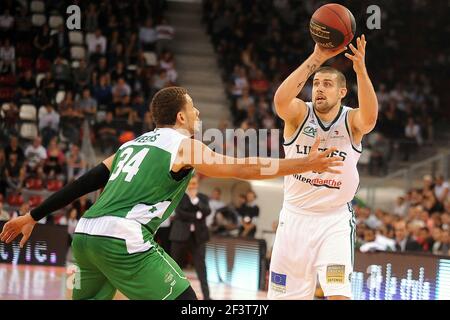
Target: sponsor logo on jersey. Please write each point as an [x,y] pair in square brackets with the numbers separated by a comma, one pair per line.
[318,182]
[309,131]
[168,277]
[335,273]
[336,135]
[278,282]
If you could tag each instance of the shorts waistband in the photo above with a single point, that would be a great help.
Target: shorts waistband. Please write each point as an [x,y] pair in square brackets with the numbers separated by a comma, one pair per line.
[115,227]
[316,212]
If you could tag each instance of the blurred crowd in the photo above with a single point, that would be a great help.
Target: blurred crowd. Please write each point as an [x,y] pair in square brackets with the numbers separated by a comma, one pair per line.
[259,43]
[419,222]
[55,81]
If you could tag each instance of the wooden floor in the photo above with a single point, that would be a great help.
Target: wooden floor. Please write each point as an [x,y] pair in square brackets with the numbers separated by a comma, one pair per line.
[23,282]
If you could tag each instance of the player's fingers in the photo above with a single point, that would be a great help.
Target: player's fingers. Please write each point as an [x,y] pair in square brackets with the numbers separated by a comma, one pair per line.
[358,43]
[5,232]
[11,237]
[328,152]
[24,240]
[348,55]
[330,170]
[352,47]
[315,146]
[337,163]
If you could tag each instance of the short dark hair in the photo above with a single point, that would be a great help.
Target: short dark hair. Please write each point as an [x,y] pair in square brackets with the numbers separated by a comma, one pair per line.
[166,104]
[340,76]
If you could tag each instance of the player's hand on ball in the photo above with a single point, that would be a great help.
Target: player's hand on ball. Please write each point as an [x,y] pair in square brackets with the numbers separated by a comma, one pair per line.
[321,162]
[23,224]
[359,52]
[324,54]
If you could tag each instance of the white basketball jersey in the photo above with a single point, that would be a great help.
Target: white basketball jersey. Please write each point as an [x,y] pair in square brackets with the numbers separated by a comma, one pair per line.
[322,192]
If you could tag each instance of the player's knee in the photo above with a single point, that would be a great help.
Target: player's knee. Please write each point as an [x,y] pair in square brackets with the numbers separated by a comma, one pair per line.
[188,294]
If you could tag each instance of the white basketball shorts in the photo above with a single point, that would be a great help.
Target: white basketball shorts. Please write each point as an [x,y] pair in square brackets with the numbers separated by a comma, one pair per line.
[308,245]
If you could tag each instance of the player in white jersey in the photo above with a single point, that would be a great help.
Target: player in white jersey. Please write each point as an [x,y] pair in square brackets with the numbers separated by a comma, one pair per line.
[316,228]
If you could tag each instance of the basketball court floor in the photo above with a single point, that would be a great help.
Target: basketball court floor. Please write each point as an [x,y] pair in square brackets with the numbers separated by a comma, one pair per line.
[25,282]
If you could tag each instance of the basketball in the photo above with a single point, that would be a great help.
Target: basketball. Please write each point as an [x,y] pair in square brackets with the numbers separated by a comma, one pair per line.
[332,26]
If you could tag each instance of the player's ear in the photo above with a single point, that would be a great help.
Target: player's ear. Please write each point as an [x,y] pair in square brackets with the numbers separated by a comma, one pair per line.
[342,92]
[181,117]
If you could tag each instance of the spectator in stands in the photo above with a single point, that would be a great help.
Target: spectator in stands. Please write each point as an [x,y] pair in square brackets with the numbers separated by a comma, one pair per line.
[14,147]
[445,218]
[82,76]
[425,240]
[215,204]
[91,18]
[15,172]
[117,54]
[401,207]
[441,189]
[379,155]
[164,35]
[430,202]
[76,164]
[239,82]
[22,210]
[107,134]
[87,105]
[167,63]
[43,43]
[101,68]
[189,232]
[147,36]
[259,83]
[23,25]
[121,92]
[6,22]
[4,215]
[404,241]
[49,123]
[413,138]
[35,155]
[249,213]
[60,40]
[95,40]
[27,87]
[103,91]
[47,87]
[161,80]
[61,72]
[55,161]
[118,72]
[148,124]
[7,57]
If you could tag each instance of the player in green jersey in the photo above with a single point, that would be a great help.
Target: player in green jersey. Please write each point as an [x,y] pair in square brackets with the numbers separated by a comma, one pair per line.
[143,182]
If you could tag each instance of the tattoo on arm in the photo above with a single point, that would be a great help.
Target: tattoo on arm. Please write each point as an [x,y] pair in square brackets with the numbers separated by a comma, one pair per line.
[311,69]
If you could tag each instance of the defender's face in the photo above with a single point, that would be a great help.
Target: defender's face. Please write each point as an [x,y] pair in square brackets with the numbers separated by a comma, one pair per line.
[192,120]
[326,92]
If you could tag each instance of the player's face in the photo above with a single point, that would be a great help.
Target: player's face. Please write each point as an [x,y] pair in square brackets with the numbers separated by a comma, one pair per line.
[326,92]
[192,116]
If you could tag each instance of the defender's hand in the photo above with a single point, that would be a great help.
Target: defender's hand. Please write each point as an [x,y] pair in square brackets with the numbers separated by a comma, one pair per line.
[323,54]
[320,162]
[23,224]
[359,64]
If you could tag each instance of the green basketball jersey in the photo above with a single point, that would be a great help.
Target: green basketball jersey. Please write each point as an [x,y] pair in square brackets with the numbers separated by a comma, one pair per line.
[140,186]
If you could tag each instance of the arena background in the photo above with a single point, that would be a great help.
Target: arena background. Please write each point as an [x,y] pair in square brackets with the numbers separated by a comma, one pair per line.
[85,91]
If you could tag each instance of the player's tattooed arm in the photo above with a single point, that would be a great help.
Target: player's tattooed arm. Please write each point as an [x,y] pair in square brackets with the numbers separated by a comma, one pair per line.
[287,106]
